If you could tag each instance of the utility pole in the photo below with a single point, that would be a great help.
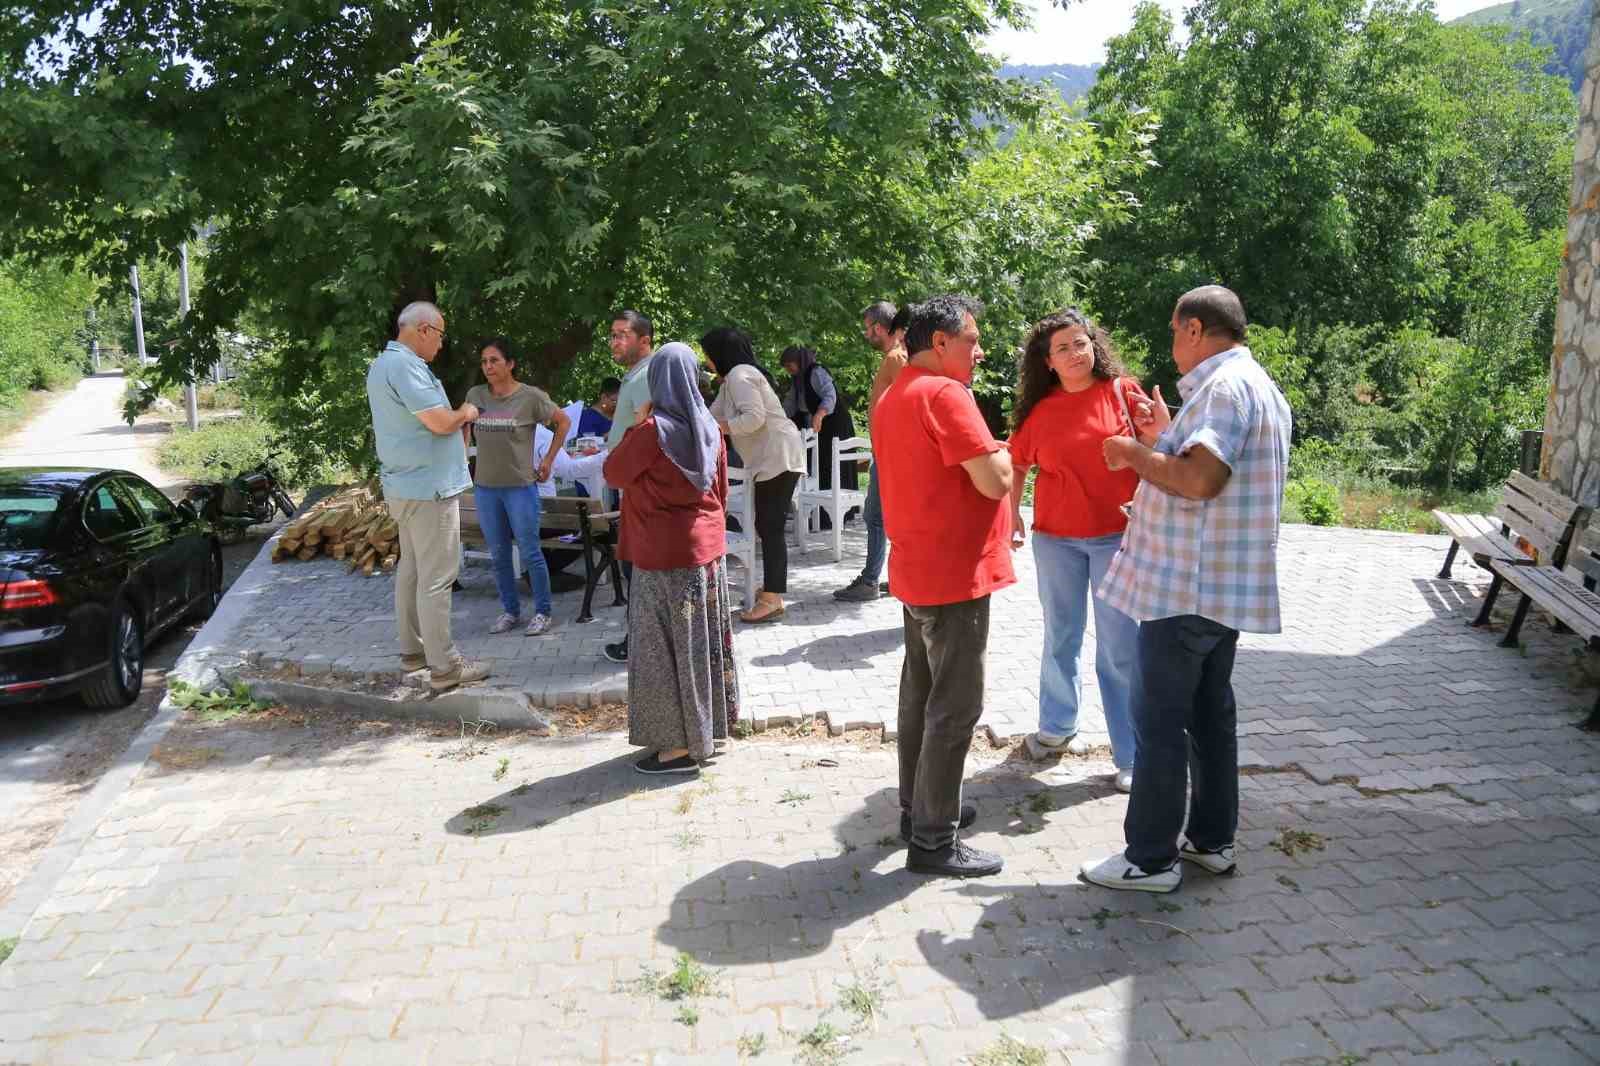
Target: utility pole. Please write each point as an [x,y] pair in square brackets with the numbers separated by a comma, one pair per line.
[138,313]
[94,340]
[191,405]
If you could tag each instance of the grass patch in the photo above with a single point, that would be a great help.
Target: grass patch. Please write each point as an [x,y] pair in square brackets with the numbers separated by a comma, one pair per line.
[7,946]
[688,838]
[220,706]
[225,446]
[752,1045]
[483,817]
[687,1015]
[500,770]
[821,1045]
[793,797]
[1376,503]
[1009,1051]
[863,997]
[1104,915]
[18,408]
[685,803]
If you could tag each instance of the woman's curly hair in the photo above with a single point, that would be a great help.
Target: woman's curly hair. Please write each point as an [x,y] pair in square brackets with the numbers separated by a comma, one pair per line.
[1037,379]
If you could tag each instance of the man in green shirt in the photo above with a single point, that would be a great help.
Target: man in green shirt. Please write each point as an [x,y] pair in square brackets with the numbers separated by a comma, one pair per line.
[633,340]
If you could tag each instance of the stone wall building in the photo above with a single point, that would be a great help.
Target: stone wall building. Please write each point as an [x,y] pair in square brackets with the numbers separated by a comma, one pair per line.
[1571,456]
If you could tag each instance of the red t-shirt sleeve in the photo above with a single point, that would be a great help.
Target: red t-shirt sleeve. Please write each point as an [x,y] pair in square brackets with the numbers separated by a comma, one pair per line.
[957,425]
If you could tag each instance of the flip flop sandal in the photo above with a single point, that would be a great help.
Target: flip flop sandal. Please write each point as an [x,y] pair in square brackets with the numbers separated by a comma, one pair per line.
[771,616]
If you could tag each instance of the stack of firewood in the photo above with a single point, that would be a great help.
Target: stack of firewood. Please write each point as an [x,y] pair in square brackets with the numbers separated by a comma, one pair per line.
[351,525]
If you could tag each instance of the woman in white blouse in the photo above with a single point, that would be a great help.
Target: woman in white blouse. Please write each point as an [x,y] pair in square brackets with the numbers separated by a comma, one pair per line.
[748,410]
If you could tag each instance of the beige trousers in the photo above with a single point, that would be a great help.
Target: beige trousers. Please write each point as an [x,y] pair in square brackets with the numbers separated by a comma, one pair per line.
[430,559]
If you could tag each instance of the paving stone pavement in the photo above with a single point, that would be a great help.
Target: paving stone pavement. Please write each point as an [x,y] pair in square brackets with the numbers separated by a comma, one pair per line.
[1418,859]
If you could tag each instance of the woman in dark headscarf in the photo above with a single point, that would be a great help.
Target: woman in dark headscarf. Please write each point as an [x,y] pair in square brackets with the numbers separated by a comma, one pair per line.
[683,690]
[816,403]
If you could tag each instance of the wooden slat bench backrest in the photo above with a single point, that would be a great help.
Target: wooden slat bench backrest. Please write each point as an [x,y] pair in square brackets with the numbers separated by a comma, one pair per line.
[1585,553]
[1540,514]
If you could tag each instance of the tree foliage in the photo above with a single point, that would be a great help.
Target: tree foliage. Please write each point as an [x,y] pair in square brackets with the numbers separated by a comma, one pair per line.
[530,166]
[1365,178]
[43,334]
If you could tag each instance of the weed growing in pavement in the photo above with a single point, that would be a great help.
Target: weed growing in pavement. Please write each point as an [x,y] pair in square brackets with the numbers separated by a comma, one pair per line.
[743,730]
[888,840]
[221,706]
[1340,978]
[500,771]
[687,839]
[1291,841]
[687,1015]
[483,816]
[822,1045]
[863,997]
[1009,1051]
[1104,915]
[470,747]
[1166,907]
[686,980]
[849,847]
[793,798]
[7,946]
[1287,882]
[685,803]
[752,1045]
[1041,803]
[1350,1059]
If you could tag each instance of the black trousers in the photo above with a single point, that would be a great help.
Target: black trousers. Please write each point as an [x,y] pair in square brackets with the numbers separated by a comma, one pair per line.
[771,505]
[941,700]
[1185,720]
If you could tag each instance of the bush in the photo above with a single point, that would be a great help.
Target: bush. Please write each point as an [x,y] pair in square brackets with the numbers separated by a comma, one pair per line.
[226,446]
[1313,501]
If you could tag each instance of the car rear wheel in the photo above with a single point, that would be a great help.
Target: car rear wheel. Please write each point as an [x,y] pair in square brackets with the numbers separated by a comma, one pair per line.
[123,676]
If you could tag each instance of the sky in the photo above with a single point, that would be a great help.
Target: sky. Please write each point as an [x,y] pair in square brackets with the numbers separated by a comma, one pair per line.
[1079,34]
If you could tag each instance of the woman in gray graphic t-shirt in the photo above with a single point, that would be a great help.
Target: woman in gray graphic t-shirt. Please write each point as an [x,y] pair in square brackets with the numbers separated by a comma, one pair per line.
[506,483]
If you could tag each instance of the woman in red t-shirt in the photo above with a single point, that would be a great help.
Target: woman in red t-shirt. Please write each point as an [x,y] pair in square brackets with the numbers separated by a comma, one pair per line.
[1074,394]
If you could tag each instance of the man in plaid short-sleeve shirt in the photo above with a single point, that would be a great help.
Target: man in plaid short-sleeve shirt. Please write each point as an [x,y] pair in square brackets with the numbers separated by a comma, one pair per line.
[1198,564]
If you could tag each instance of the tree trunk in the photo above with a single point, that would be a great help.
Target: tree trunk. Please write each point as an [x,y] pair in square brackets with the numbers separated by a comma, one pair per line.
[547,360]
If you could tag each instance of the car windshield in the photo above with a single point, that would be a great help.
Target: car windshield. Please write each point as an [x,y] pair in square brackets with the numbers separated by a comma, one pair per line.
[27,515]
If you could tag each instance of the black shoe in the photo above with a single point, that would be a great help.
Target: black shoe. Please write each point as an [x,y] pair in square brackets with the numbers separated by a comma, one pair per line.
[652,764]
[618,652]
[953,860]
[858,591]
[969,814]
[883,588]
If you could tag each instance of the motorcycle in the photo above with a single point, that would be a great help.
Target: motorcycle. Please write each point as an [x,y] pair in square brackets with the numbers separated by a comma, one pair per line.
[232,507]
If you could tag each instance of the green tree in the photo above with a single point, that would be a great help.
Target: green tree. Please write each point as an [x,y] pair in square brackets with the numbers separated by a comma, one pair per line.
[43,334]
[528,166]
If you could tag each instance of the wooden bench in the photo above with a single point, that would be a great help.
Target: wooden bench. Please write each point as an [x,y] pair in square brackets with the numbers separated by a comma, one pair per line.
[1572,601]
[1530,517]
[597,540]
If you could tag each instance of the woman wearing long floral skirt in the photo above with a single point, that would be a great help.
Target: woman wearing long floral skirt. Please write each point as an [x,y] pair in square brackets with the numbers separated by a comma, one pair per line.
[683,688]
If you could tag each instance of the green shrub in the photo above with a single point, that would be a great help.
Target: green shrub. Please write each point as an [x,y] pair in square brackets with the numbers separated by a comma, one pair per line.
[224,446]
[1314,501]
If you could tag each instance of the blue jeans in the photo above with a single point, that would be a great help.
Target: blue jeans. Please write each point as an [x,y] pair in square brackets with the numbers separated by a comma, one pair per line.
[877,539]
[1185,717]
[503,513]
[1070,569]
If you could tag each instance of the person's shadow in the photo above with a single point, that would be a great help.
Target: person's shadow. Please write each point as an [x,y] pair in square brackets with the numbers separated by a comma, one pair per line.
[838,652]
[539,803]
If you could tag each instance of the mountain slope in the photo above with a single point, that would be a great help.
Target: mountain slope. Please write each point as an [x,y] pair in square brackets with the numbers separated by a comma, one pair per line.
[1563,25]
[1071,80]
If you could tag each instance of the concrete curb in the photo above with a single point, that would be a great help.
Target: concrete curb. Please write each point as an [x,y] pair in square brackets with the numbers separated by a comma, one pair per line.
[503,707]
[203,664]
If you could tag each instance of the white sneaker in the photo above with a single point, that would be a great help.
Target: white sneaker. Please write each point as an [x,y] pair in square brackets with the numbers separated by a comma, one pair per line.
[1124,781]
[540,625]
[1117,872]
[1044,746]
[505,623]
[1219,862]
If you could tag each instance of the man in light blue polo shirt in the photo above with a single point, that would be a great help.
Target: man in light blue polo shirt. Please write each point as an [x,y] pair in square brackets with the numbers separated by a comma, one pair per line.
[424,470]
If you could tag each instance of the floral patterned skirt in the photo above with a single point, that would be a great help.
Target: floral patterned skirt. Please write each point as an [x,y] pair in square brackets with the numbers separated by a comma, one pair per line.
[683,687]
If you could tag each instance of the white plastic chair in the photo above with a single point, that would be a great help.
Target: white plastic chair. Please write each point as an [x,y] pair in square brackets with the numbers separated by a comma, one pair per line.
[837,501]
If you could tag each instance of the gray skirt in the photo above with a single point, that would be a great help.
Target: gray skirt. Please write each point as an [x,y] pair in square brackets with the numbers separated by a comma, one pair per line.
[683,687]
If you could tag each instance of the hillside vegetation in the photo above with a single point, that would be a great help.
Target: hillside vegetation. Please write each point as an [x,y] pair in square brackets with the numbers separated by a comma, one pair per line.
[1562,25]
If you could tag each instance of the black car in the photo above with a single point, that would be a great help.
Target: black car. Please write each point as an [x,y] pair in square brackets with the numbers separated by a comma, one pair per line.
[94,565]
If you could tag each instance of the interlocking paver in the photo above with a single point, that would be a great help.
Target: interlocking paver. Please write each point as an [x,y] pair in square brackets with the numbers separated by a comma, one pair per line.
[315,893]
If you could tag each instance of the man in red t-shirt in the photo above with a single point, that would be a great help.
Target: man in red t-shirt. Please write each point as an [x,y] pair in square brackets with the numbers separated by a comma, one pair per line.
[944,481]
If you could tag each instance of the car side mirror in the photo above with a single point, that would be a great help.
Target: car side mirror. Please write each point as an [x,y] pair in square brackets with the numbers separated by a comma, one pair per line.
[187,510]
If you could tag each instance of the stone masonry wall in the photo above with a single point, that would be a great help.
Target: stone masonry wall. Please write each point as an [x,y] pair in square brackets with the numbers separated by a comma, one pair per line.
[1571,455]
